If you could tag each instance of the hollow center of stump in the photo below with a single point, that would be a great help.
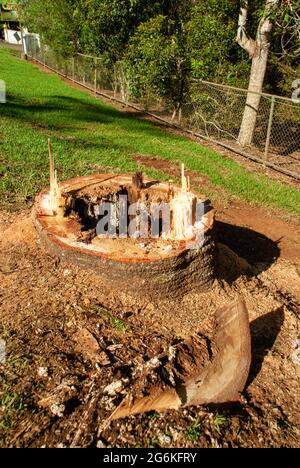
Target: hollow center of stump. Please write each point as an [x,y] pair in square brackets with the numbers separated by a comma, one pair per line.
[129,217]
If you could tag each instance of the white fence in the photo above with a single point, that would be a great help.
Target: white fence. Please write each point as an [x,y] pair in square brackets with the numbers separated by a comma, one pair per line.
[12,37]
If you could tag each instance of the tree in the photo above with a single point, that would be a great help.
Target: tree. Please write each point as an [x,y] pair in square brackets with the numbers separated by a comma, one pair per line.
[258,49]
[109,24]
[214,54]
[165,42]
[157,57]
[287,24]
[157,63]
[58,22]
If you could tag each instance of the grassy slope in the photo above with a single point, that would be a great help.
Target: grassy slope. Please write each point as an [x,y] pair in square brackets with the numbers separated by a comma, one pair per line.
[85,131]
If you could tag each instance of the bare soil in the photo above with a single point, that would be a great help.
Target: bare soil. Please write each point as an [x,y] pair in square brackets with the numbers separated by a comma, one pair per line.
[75,348]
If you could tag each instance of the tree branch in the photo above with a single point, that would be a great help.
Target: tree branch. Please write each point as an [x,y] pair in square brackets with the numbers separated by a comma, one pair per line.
[266,24]
[242,37]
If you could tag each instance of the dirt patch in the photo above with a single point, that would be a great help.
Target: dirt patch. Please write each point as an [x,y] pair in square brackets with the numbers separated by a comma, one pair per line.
[172,168]
[50,383]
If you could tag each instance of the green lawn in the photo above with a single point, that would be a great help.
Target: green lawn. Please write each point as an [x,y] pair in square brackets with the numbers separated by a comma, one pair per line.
[86,131]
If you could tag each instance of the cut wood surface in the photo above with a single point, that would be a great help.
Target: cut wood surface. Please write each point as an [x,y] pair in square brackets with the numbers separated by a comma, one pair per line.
[170,273]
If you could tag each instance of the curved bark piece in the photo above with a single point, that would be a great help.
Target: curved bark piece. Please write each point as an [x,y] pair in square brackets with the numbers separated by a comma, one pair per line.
[225,377]
[221,381]
[158,400]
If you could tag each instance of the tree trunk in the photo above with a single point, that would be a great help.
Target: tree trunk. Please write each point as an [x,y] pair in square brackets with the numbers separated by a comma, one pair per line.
[259,51]
[258,71]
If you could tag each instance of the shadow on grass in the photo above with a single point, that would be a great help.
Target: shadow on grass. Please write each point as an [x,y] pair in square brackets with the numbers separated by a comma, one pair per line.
[66,107]
[64,115]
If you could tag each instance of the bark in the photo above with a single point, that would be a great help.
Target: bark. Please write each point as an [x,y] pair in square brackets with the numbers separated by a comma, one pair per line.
[221,381]
[258,50]
[170,277]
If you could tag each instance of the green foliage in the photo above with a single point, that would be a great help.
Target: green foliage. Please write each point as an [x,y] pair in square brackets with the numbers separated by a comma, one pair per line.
[157,60]
[286,16]
[211,33]
[219,422]
[12,402]
[119,324]
[19,363]
[163,43]
[194,431]
[285,52]
[116,323]
[108,24]
[57,21]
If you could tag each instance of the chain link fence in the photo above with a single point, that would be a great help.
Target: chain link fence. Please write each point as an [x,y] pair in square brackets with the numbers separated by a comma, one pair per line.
[212,111]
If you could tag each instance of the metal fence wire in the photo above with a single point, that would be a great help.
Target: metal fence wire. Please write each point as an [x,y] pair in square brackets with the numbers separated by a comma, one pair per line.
[211,111]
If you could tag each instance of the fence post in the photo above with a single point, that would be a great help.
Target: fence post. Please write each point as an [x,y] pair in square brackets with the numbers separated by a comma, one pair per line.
[95,76]
[84,65]
[115,83]
[269,129]
[73,68]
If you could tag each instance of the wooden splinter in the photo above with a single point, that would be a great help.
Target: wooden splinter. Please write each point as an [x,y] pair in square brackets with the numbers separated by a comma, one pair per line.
[55,201]
[221,380]
[182,210]
[136,188]
[138,180]
[185,181]
[51,164]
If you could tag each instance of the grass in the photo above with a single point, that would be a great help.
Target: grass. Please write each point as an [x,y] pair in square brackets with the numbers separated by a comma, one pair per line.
[194,431]
[118,324]
[10,402]
[115,322]
[87,132]
[153,443]
[19,362]
[219,421]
